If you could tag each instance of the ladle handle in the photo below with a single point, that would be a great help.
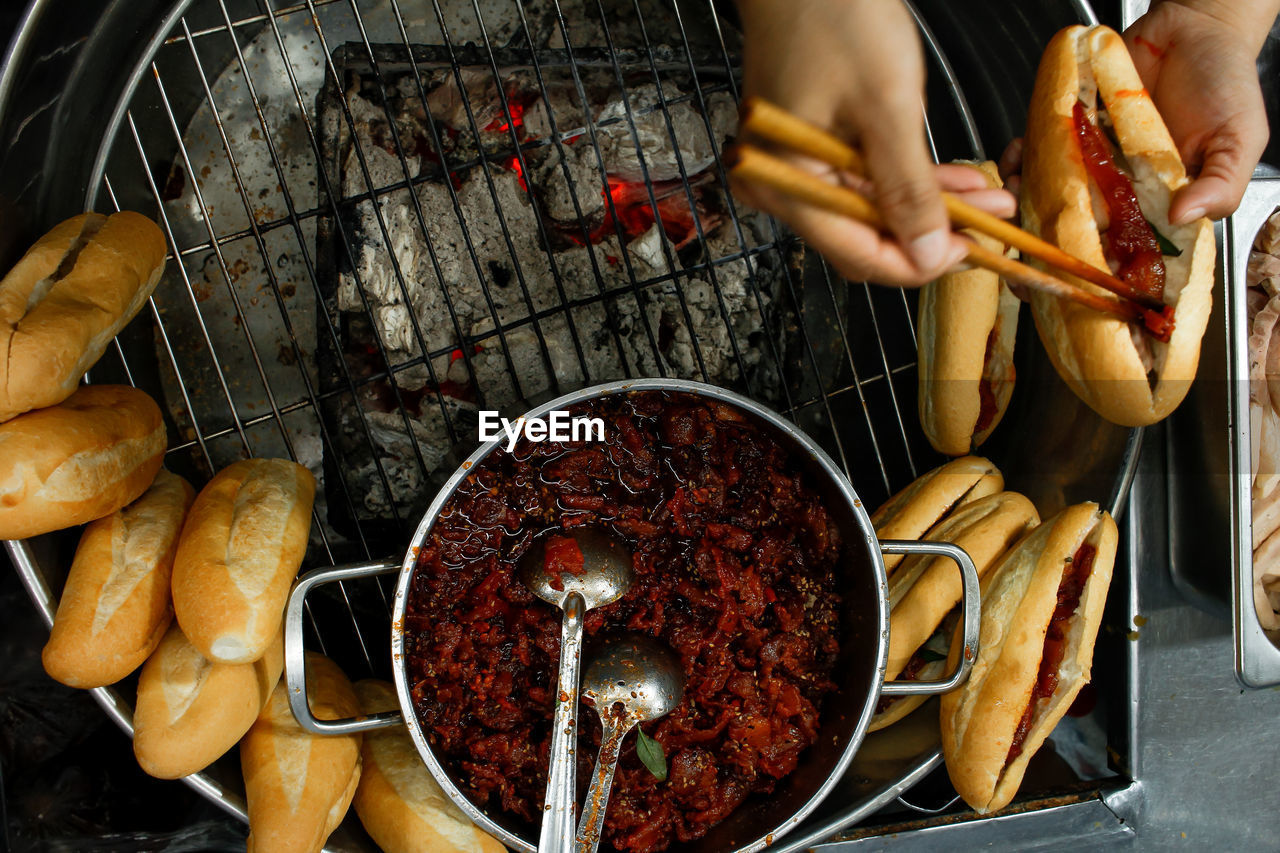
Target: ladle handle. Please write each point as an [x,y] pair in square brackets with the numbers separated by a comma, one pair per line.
[971,606]
[615,728]
[558,814]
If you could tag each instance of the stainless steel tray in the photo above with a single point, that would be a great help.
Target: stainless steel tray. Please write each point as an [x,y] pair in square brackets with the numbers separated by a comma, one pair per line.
[1257,652]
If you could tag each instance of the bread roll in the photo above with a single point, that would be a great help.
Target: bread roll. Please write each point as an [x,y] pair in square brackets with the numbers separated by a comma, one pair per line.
[80,460]
[241,547]
[912,511]
[399,803]
[1124,375]
[1032,602]
[64,301]
[299,785]
[115,605]
[965,335]
[190,711]
[925,589]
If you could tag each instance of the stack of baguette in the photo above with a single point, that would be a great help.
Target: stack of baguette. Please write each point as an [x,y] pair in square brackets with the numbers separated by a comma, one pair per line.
[1043,589]
[222,561]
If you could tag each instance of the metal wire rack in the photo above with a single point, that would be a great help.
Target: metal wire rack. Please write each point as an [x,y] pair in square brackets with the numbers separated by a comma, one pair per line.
[242,135]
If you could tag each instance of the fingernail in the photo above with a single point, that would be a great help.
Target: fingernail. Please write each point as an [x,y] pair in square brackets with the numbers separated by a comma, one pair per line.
[1191,215]
[929,251]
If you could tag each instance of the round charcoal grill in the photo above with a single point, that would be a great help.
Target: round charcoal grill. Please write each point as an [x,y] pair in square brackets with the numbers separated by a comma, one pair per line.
[384,216]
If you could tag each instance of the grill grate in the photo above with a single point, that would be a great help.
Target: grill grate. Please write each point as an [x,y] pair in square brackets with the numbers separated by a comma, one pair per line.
[226,139]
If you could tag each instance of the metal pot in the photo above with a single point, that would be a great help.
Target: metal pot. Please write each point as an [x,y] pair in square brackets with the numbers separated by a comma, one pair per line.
[859,670]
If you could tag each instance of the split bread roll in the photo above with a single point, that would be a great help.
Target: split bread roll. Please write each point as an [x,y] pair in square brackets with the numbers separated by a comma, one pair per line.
[299,785]
[68,296]
[191,711]
[1041,609]
[925,589]
[399,803]
[1122,373]
[78,461]
[912,511]
[240,549]
[966,327]
[115,606]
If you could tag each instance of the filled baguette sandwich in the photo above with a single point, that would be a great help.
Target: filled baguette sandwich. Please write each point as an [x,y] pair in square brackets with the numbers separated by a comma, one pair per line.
[77,461]
[66,298]
[298,785]
[399,803]
[1099,172]
[241,546]
[929,497]
[115,605]
[965,334]
[191,711]
[926,590]
[1041,609]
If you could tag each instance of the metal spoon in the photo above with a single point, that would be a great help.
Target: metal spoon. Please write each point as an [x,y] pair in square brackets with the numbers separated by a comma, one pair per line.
[606,575]
[632,680]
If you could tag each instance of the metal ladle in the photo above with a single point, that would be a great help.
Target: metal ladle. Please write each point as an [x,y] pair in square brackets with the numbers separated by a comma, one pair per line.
[632,680]
[605,577]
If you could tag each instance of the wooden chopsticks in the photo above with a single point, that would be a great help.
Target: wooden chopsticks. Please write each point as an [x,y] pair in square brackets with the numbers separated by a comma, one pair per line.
[766,121]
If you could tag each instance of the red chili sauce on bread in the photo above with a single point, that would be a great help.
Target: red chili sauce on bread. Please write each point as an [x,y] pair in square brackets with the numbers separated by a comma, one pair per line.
[1129,240]
[1074,578]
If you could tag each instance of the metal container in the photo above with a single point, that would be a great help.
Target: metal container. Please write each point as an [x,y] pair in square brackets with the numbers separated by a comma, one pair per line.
[1257,651]
[858,673]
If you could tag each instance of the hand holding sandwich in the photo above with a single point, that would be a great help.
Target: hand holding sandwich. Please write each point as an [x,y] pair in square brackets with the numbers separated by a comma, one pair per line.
[1197,59]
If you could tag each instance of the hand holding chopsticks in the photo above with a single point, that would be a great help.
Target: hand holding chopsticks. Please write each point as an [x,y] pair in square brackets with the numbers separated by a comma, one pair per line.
[765,121]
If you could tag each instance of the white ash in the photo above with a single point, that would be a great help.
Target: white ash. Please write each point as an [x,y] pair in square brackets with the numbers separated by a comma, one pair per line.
[616,333]
[688,126]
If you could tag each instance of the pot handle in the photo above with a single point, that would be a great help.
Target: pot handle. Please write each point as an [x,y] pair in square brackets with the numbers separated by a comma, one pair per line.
[295,661]
[972,613]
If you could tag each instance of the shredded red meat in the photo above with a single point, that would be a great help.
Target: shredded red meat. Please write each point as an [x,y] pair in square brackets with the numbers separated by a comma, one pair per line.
[735,561]
[1129,240]
[1074,577]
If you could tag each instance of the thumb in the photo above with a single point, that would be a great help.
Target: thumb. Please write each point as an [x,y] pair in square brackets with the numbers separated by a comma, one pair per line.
[1229,155]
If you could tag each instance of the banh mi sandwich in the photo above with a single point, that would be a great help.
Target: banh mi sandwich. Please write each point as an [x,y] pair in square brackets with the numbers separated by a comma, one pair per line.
[1099,172]
[929,497]
[115,606]
[1041,609]
[298,785]
[85,458]
[966,327]
[926,589]
[66,298]
[400,805]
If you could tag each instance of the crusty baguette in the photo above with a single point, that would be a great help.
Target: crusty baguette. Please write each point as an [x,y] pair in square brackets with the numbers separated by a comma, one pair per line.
[64,301]
[401,806]
[115,605]
[1019,597]
[964,339]
[1123,374]
[83,459]
[912,511]
[925,589]
[191,711]
[241,547]
[299,785]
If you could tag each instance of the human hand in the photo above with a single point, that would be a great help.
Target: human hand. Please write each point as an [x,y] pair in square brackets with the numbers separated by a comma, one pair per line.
[856,69]
[1197,59]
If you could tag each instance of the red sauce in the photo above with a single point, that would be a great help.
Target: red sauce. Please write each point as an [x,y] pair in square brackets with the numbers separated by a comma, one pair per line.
[1153,49]
[735,559]
[1129,239]
[986,390]
[1074,577]
[562,556]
